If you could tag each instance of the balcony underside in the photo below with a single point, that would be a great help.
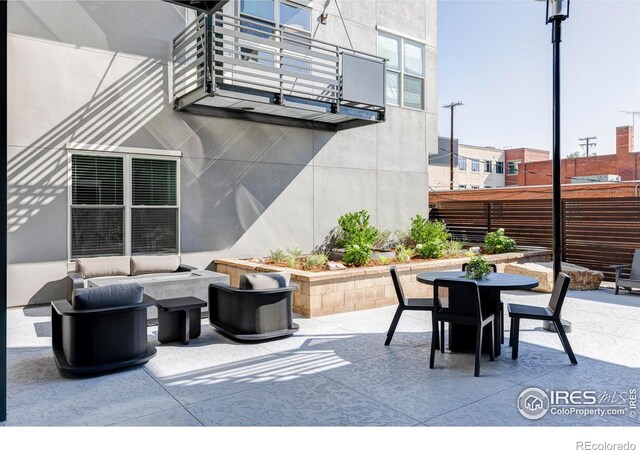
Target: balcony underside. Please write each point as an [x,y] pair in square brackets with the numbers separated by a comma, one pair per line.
[257,105]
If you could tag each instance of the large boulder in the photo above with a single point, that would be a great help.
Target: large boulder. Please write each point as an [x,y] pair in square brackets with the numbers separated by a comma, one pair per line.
[582,279]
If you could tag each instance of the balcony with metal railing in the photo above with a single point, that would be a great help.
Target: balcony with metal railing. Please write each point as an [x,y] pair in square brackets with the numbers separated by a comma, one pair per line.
[241,68]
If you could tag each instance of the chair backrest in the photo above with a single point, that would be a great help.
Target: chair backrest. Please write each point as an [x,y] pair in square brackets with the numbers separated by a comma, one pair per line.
[464,298]
[560,288]
[397,285]
[493,267]
[635,266]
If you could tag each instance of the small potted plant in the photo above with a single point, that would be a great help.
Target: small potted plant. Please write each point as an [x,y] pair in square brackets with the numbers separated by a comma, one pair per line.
[477,268]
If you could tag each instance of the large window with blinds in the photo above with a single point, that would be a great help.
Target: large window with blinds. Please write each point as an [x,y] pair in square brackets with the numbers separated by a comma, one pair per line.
[154,206]
[123,204]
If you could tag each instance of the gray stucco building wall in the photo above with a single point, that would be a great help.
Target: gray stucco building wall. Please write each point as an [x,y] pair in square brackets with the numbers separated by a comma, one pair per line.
[98,73]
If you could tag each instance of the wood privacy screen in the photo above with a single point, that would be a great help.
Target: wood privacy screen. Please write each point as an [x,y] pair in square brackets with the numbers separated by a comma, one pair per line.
[595,232]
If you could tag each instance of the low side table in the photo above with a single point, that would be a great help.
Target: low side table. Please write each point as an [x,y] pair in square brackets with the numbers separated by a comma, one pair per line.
[179,319]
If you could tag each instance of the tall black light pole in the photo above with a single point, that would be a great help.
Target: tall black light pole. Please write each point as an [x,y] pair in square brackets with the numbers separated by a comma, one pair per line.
[557,12]
[451,106]
[3,214]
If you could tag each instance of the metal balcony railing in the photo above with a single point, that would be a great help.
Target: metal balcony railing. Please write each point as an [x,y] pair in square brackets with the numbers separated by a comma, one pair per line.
[238,67]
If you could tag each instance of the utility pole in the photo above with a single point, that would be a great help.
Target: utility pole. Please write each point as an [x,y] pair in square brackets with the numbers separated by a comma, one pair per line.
[633,123]
[451,106]
[587,145]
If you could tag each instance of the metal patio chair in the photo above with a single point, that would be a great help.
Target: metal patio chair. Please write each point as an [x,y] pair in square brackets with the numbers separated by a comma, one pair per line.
[551,313]
[464,308]
[631,281]
[411,304]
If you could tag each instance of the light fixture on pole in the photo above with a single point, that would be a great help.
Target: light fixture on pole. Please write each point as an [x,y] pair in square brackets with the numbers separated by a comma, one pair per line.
[557,12]
[451,106]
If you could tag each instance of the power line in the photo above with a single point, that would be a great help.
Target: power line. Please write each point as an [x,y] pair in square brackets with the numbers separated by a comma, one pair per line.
[587,145]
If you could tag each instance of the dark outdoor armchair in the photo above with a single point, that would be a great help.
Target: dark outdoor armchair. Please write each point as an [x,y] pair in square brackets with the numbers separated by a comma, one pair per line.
[631,281]
[101,330]
[261,308]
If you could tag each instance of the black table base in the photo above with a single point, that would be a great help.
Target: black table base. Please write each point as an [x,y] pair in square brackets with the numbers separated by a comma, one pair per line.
[179,319]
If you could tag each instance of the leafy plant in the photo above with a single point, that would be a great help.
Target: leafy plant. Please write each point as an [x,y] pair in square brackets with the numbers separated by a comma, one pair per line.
[295,252]
[278,256]
[454,248]
[384,240]
[355,229]
[430,237]
[357,255]
[404,254]
[477,268]
[498,242]
[316,261]
[292,256]
[384,261]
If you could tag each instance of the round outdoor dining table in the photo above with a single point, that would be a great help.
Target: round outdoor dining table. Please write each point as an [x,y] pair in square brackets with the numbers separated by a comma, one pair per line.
[462,338]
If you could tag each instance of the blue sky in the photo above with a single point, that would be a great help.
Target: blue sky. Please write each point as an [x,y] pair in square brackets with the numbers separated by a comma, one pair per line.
[495,56]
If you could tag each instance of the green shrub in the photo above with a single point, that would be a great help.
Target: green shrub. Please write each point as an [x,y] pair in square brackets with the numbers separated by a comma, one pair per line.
[292,256]
[497,242]
[477,268]
[295,252]
[384,240]
[357,255]
[355,229]
[278,256]
[384,261]
[316,261]
[454,248]
[404,254]
[430,237]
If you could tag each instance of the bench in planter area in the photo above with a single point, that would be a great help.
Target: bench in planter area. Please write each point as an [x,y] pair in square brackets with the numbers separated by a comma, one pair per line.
[162,276]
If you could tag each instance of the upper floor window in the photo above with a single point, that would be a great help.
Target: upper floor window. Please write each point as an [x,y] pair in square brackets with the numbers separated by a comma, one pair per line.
[512,167]
[123,205]
[462,163]
[499,167]
[487,166]
[264,15]
[405,70]
[475,165]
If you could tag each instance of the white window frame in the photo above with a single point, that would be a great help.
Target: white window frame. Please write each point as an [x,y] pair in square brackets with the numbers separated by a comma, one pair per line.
[489,164]
[516,164]
[463,160]
[501,165]
[127,155]
[475,162]
[278,25]
[400,71]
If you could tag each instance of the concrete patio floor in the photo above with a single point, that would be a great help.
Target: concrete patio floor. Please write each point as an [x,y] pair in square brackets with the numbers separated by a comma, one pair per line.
[334,371]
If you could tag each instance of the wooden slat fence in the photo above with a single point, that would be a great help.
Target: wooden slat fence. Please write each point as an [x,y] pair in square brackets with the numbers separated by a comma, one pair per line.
[596,232]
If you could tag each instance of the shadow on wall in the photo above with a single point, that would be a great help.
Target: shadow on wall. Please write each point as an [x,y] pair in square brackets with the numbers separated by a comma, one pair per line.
[38,173]
[128,27]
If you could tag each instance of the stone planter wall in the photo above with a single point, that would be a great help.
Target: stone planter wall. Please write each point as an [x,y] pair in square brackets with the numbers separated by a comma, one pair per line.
[323,293]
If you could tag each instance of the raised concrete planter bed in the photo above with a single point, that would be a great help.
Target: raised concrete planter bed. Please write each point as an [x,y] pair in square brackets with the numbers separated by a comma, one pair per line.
[332,292]
[582,279]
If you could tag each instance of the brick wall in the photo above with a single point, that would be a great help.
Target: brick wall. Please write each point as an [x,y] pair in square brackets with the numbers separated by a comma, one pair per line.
[595,190]
[624,163]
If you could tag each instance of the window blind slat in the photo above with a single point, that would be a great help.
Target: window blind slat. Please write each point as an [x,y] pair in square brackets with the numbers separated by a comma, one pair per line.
[154,182]
[97,232]
[154,230]
[97,180]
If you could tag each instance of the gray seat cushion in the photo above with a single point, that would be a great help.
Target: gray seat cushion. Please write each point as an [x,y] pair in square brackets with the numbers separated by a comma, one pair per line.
[271,280]
[107,296]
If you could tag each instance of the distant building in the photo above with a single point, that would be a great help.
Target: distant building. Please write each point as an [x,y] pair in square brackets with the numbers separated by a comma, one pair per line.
[516,158]
[624,165]
[474,167]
